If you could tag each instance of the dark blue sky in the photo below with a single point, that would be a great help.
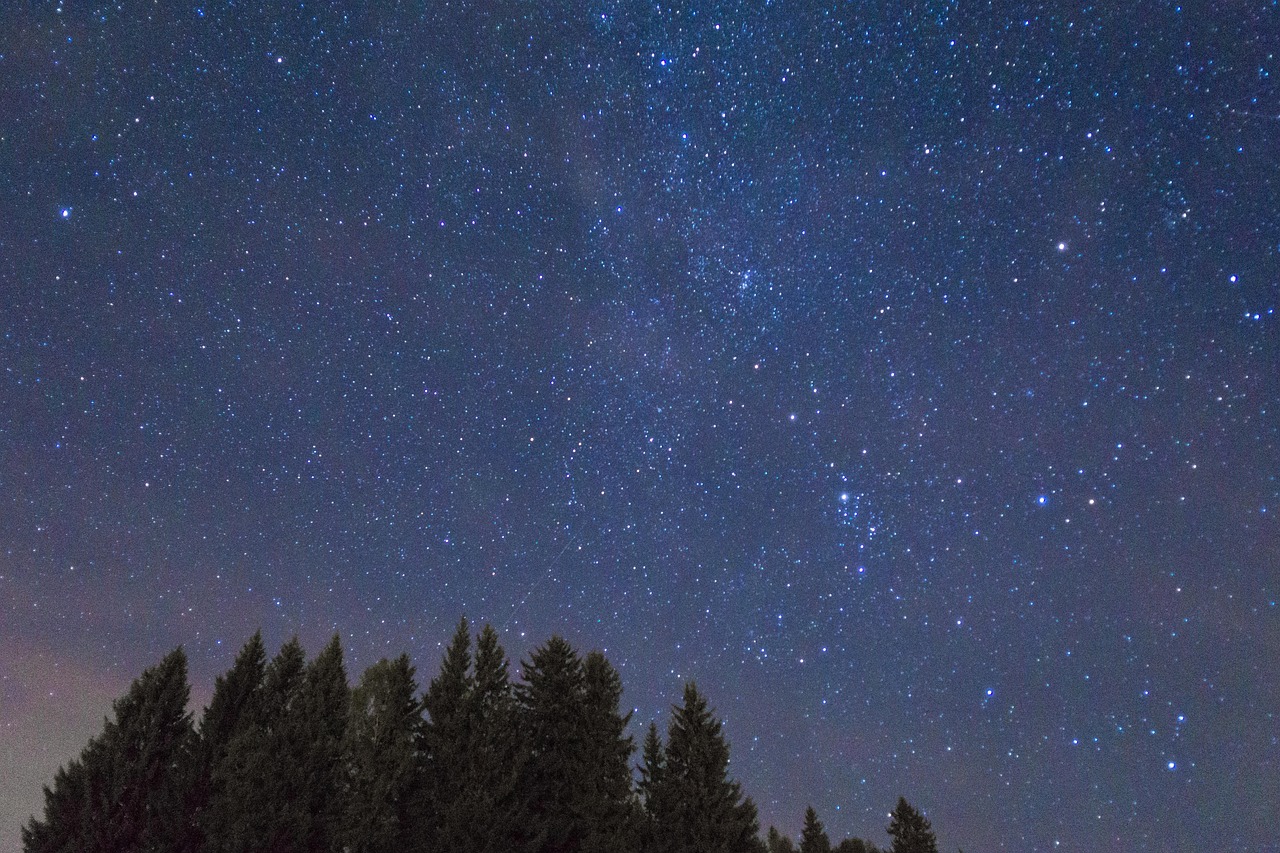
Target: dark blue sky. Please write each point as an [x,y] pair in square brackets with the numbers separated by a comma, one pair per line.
[904,373]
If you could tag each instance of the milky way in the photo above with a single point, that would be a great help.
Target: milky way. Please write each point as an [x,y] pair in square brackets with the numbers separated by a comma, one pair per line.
[905,374]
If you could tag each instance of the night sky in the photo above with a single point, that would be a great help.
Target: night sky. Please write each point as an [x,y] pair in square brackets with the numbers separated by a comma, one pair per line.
[906,374]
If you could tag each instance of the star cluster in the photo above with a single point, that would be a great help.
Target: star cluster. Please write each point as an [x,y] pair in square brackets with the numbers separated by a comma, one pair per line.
[906,374]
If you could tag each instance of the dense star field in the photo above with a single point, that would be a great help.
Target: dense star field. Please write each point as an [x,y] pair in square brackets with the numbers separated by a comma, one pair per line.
[904,373]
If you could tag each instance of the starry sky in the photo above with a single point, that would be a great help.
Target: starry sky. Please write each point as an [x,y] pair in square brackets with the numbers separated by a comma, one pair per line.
[904,373]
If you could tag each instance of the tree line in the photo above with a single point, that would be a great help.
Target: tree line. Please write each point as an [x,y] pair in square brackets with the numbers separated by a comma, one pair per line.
[288,758]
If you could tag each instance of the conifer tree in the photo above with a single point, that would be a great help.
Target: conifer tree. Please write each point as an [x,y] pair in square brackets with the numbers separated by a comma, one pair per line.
[316,732]
[651,786]
[552,717]
[910,830]
[493,814]
[380,752]
[231,710]
[776,842]
[611,815]
[444,738]
[110,799]
[813,839]
[255,806]
[699,809]
[235,696]
[856,845]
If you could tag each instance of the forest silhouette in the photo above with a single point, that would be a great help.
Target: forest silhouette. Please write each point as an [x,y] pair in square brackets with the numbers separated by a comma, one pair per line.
[289,758]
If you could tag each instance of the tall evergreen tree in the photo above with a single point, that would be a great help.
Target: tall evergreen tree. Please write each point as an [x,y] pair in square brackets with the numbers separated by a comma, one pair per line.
[232,709]
[235,696]
[699,809]
[316,732]
[611,814]
[111,798]
[910,830]
[814,837]
[276,789]
[444,742]
[776,842]
[493,815]
[651,786]
[380,752]
[552,717]
[255,777]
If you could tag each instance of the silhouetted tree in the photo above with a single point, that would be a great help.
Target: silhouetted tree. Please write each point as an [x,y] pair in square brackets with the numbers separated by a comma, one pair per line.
[856,845]
[110,798]
[651,787]
[698,808]
[495,813]
[277,788]
[445,739]
[813,839]
[553,720]
[288,759]
[251,781]
[776,842]
[232,709]
[611,813]
[910,830]
[380,750]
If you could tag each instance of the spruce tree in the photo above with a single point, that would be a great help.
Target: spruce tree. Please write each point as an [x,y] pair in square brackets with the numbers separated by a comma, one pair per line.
[699,809]
[554,778]
[230,711]
[776,842]
[492,814]
[112,797]
[255,804]
[910,830]
[651,786]
[380,758]
[856,845]
[444,741]
[814,837]
[315,730]
[611,815]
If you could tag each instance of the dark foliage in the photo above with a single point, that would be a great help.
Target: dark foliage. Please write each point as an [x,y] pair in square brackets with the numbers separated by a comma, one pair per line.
[910,830]
[289,759]
[696,808]
[814,837]
[381,756]
[113,797]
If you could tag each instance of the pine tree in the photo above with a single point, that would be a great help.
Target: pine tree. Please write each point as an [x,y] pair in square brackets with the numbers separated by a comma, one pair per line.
[255,777]
[234,698]
[231,710]
[814,837]
[910,830]
[111,798]
[445,737]
[611,813]
[651,786]
[316,731]
[493,813]
[380,755]
[552,717]
[776,842]
[699,809]
[856,845]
